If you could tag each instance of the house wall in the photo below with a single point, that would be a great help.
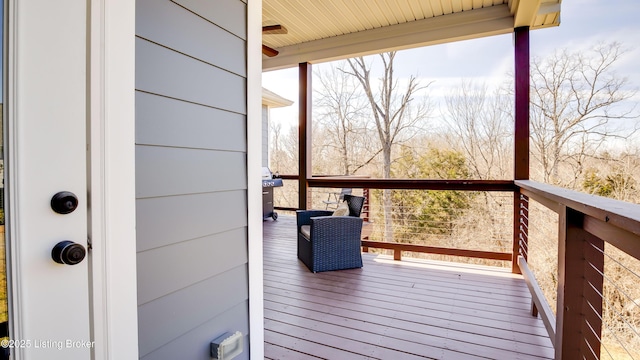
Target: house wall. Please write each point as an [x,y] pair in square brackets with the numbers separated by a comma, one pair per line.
[191,175]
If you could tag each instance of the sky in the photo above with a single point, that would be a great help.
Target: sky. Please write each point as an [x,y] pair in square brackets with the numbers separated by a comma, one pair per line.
[583,23]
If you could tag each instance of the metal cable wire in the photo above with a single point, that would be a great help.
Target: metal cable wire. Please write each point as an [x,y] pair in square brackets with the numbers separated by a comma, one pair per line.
[606,325]
[599,341]
[615,285]
[619,315]
[616,261]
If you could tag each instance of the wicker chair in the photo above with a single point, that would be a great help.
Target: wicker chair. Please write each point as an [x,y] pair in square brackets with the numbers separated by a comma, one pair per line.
[327,242]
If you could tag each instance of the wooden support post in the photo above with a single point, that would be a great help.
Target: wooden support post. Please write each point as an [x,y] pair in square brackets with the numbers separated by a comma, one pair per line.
[579,307]
[522,83]
[521,130]
[304,133]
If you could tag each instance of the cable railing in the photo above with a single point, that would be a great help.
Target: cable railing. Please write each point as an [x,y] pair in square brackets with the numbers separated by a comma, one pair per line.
[437,228]
[597,300]
[447,219]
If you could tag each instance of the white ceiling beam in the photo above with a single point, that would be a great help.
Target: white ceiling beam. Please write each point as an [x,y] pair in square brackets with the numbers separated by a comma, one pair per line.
[478,23]
[549,8]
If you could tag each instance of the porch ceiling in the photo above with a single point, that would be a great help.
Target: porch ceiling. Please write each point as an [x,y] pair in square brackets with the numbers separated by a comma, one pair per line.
[328,30]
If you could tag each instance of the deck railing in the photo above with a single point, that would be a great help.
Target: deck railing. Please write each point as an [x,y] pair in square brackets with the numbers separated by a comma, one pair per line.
[598,316]
[368,184]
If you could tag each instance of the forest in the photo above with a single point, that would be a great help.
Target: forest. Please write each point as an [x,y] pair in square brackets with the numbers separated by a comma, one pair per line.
[584,122]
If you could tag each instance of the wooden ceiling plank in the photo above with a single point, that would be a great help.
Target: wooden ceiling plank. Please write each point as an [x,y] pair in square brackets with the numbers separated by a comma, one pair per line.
[298,24]
[359,23]
[407,12]
[436,7]
[456,5]
[329,19]
[398,9]
[525,12]
[381,16]
[342,15]
[447,7]
[361,12]
[421,7]
[391,14]
[373,8]
[467,5]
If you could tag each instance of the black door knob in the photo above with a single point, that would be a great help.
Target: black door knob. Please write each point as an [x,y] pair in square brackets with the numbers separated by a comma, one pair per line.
[64,202]
[67,252]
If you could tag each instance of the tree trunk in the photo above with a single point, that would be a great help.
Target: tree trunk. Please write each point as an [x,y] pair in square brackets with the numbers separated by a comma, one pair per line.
[386,195]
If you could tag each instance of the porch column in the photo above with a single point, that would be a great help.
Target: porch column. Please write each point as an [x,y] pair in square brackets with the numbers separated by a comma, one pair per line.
[304,133]
[580,283]
[521,138]
[522,65]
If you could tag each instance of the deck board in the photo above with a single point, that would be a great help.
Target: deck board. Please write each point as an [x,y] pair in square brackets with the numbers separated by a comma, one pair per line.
[410,309]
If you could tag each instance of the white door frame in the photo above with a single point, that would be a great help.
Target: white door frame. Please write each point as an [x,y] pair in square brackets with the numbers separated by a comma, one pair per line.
[111,175]
[110,110]
[254,174]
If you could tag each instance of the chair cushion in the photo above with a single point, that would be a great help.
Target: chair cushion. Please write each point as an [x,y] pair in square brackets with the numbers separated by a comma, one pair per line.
[305,230]
[342,210]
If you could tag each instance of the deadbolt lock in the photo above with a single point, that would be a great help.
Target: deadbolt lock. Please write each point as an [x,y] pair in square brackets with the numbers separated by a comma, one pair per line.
[64,202]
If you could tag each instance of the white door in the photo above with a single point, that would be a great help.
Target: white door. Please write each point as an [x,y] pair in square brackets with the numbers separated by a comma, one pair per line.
[46,153]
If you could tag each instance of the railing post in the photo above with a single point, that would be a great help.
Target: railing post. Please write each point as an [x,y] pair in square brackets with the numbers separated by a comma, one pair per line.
[520,230]
[304,133]
[365,214]
[580,280]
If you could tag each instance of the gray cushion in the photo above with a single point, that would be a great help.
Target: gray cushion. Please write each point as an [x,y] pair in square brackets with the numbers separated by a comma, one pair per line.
[306,231]
[342,210]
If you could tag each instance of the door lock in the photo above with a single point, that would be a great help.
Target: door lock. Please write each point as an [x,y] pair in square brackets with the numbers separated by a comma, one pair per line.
[64,202]
[67,252]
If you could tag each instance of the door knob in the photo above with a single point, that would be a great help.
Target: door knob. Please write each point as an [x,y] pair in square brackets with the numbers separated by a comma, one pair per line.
[67,252]
[64,202]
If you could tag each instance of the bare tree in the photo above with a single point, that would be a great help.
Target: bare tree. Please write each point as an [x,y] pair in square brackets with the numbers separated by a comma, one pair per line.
[283,149]
[573,98]
[480,125]
[340,107]
[283,158]
[392,110]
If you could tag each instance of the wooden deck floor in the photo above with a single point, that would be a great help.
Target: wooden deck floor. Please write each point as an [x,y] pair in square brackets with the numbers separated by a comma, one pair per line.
[413,309]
